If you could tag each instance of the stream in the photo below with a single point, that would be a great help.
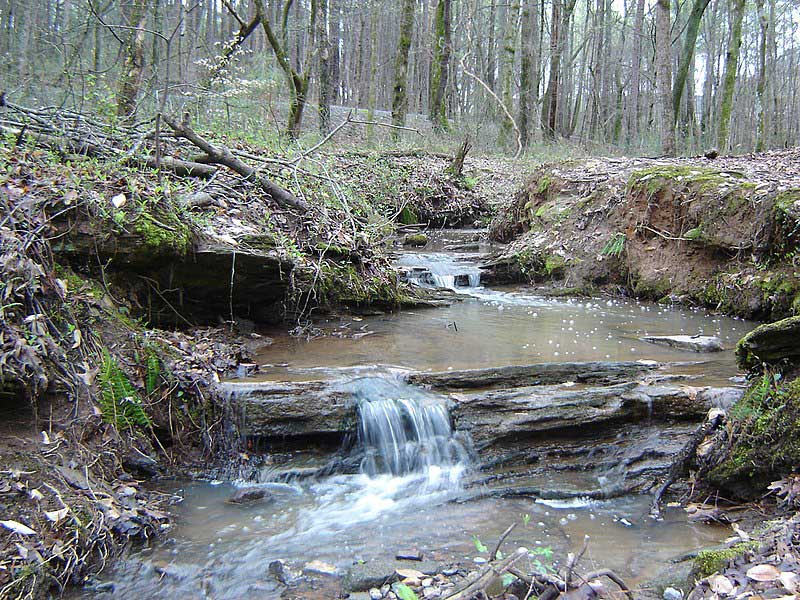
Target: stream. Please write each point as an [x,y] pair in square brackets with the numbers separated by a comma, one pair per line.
[420,478]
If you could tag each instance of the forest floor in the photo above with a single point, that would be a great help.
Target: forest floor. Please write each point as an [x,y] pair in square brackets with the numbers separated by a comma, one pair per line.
[127,294]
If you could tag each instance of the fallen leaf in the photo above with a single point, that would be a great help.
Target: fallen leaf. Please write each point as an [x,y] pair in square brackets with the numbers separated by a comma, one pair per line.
[36,495]
[790,581]
[56,515]
[70,197]
[76,335]
[763,573]
[720,584]
[18,527]
[409,574]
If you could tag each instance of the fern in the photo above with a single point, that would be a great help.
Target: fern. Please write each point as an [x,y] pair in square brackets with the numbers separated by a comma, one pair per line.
[152,377]
[119,402]
[615,246]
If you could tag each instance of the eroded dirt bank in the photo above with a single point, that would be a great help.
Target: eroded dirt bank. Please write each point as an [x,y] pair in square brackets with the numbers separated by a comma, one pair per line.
[721,233]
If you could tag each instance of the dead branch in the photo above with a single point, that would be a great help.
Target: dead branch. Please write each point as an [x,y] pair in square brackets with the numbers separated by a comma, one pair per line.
[680,464]
[502,539]
[222,156]
[500,103]
[69,145]
[613,577]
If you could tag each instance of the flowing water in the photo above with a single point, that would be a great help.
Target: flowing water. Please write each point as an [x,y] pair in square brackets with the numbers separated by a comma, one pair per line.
[419,484]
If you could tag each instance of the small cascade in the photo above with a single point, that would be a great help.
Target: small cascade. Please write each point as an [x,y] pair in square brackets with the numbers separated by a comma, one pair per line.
[403,430]
[440,270]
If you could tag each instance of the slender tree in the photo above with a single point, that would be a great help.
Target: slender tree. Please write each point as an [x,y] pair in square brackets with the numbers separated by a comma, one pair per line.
[323,48]
[761,114]
[440,67]
[297,81]
[130,80]
[729,80]
[528,80]
[687,56]
[664,76]
[636,68]
[400,96]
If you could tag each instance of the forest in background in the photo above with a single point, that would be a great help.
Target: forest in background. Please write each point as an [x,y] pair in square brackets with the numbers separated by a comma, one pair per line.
[635,76]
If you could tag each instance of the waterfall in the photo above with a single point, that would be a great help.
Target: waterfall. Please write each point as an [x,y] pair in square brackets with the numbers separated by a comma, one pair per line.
[404,430]
[440,270]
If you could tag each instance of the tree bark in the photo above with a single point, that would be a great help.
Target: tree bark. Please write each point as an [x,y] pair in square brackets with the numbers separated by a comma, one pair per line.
[324,48]
[687,57]
[729,80]
[440,67]
[400,95]
[636,68]
[761,115]
[528,80]
[130,79]
[664,76]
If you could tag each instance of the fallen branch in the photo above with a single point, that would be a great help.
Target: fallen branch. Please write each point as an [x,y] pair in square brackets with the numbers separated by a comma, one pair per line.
[681,463]
[68,145]
[222,156]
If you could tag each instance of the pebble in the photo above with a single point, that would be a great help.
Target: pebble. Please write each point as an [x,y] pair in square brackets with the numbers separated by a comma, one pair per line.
[428,582]
[375,594]
[431,592]
[672,594]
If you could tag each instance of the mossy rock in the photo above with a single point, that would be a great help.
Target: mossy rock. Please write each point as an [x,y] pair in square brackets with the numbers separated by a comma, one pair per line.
[773,344]
[407,216]
[764,438]
[163,234]
[415,240]
[715,560]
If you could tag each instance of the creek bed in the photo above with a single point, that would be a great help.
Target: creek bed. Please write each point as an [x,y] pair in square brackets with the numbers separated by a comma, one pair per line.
[222,550]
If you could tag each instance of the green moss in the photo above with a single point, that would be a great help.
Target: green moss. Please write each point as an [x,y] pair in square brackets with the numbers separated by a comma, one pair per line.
[166,236]
[415,239]
[770,343]
[407,216]
[709,562]
[554,265]
[765,438]
[340,283]
[543,185]
[659,177]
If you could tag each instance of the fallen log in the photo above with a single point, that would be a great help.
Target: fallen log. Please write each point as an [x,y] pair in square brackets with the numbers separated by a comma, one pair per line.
[68,145]
[223,156]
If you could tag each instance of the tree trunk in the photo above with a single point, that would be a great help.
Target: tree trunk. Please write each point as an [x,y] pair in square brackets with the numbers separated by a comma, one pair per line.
[130,80]
[636,67]
[687,57]
[323,47]
[442,42]
[729,80]
[400,96]
[508,57]
[373,69]
[664,76]
[761,115]
[296,79]
[527,85]
[559,22]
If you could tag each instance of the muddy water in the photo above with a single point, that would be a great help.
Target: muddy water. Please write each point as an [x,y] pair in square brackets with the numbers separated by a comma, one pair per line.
[221,550]
[505,327]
